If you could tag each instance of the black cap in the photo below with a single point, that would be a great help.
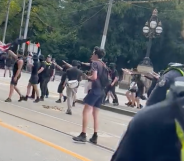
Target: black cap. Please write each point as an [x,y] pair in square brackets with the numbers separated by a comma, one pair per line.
[35,57]
[41,57]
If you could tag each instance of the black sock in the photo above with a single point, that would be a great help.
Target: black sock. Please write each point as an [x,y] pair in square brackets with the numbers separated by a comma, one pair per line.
[95,134]
[83,134]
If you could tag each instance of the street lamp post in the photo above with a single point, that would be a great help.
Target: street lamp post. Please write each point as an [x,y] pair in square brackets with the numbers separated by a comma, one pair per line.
[152,29]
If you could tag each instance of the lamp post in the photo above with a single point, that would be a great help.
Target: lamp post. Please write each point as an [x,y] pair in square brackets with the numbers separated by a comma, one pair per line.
[151,30]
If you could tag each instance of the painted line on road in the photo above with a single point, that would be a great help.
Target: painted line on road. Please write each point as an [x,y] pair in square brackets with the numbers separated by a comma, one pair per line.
[75,155]
[59,118]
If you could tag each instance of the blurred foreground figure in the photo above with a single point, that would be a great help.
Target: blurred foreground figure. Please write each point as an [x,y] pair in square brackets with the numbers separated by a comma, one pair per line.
[156,133]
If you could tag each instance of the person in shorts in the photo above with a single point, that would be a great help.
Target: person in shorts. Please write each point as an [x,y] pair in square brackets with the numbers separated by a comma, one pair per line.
[33,81]
[17,68]
[8,64]
[94,98]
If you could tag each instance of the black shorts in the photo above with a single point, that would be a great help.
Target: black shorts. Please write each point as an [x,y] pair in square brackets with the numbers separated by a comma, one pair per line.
[13,82]
[33,80]
[60,88]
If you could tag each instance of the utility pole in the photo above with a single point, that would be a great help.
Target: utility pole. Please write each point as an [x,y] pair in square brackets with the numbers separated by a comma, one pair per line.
[27,22]
[106,24]
[6,21]
[22,21]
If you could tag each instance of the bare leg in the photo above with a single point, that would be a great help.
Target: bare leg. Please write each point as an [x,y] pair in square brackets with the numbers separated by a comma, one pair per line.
[17,90]
[133,98]
[87,109]
[12,87]
[95,118]
[36,90]
[128,96]
[28,89]
[9,71]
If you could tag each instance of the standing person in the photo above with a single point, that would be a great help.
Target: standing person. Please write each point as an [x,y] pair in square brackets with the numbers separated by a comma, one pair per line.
[8,64]
[73,75]
[114,82]
[33,79]
[62,85]
[52,76]
[141,90]
[40,73]
[17,68]
[47,75]
[94,98]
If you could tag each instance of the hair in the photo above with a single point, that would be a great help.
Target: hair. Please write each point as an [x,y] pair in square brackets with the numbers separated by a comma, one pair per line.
[99,52]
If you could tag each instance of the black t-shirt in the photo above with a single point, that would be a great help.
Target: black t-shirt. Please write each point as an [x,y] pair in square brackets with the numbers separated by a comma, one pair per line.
[140,85]
[41,65]
[114,74]
[35,68]
[63,78]
[74,74]
[48,70]
[98,67]
[150,136]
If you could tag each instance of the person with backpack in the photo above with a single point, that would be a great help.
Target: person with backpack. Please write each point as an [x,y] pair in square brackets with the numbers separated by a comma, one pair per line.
[93,100]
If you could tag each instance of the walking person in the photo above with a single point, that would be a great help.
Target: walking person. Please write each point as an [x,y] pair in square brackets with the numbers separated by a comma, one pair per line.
[8,64]
[46,77]
[40,73]
[33,79]
[62,85]
[112,86]
[17,68]
[94,98]
[74,76]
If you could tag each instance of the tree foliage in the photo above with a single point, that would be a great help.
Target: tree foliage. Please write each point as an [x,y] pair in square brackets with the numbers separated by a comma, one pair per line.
[69,29]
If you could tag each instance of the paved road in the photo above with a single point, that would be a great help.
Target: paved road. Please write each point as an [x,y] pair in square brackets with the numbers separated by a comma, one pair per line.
[54,126]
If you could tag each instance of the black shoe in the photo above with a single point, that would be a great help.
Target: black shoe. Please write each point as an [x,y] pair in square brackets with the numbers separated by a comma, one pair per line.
[8,100]
[58,101]
[31,97]
[80,138]
[25,98]
[36,100]
[21,99]
[69,112]
[73,104]
[41,99]
[94,139]
[116,104]
[128,104]
[64,98]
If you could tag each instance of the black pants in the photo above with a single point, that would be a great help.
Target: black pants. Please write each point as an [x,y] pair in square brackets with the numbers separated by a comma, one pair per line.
[111,89]
[43,85]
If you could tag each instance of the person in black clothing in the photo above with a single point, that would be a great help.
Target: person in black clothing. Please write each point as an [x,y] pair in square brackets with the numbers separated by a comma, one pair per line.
[33,79]
[16,74]
[159,92]
[112,87]
[47,75]
[8,64]
[62,85]
[156,133]
[141,90]
[40,73]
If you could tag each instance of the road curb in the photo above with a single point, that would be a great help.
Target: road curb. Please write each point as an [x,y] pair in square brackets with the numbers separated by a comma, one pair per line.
[115,110]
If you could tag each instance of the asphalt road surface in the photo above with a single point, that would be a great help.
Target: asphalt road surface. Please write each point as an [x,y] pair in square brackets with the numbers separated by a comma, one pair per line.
[29,131]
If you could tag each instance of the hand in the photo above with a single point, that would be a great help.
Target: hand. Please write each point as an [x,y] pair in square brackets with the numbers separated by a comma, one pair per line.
[15,79]
[112,84]
[63,61]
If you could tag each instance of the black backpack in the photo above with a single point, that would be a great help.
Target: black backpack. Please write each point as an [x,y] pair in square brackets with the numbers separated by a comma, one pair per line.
[104,77]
